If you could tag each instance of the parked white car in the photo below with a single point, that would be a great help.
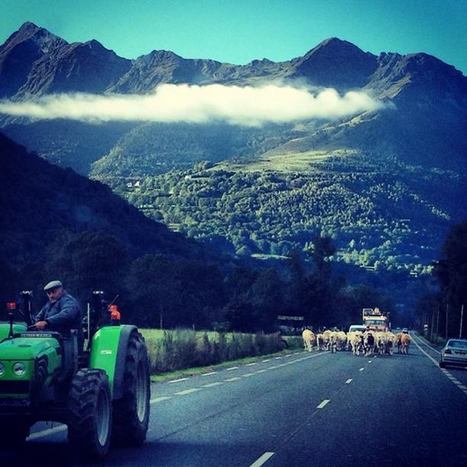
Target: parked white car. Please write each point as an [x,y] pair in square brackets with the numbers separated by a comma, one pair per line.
[454,353]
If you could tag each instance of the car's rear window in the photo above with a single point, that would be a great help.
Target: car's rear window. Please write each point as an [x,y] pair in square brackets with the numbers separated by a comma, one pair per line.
[458,344]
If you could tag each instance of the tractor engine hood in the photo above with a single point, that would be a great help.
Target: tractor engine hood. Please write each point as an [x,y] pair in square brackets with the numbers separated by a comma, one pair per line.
[28,348]
[5,329]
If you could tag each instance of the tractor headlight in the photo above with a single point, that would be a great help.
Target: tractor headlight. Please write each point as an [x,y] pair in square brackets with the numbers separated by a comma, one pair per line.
[19,369]
[2,369]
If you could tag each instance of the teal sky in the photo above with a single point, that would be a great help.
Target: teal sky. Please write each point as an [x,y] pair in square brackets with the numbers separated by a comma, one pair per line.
[238,31]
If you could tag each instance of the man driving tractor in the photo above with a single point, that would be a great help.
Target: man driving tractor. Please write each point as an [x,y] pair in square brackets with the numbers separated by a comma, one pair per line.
[61,313]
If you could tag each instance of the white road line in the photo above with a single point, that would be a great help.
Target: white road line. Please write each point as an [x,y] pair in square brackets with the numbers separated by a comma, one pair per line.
[348,381]
[361,369]
[267,360]
[251,364]
[260,371]
[443,370]
[273,367]
[262,460]
[288,356]
[236,378]
[159,399]
[178,380]
[247,375]
[49,431]
[211,385]
[428,345]
[323,404]
[277,358]
[209,374]
[187,391]
[369,361]
[232,368]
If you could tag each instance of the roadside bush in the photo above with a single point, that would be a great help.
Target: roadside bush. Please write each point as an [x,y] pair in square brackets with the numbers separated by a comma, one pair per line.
[181,349]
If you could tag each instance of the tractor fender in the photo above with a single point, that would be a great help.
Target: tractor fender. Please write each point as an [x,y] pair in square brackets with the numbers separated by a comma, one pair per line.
[127,330]
[108,353]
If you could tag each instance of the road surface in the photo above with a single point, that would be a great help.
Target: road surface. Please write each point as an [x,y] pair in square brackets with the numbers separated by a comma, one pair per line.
[302,409]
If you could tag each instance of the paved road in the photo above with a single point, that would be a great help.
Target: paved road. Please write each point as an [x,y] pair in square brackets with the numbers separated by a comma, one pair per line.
[303,409]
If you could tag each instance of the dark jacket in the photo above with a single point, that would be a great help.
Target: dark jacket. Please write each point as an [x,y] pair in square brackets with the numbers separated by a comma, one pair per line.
[63,315]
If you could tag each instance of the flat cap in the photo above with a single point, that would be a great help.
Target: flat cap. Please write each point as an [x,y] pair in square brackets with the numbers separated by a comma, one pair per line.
[52,285]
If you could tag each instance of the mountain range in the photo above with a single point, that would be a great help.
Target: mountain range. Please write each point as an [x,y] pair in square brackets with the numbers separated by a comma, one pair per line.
[421,126]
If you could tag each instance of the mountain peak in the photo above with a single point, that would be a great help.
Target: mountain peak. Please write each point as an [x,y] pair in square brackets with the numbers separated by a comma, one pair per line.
[31,32]
[335,46]
[29,27]
[338,63]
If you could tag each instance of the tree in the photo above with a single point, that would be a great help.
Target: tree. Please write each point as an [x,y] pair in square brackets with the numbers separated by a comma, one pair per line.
[321,249]
[267,298]
[451,272]
[87,261]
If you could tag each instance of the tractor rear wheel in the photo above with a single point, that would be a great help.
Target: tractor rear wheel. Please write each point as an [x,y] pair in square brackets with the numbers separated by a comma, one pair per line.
[90,405]
[131,411]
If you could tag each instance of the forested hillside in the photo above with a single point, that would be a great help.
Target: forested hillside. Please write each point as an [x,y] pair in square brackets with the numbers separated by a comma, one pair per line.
[382,214]
[58,224]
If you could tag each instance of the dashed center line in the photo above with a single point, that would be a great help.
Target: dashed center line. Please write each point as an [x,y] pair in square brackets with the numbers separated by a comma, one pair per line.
[232,368]
[263,459]
[251,364]
[323,404]
[159,399]
[209,374]
[348,381]
[187,391]
[48,431]
[211,385]
[361,369]
[236,378]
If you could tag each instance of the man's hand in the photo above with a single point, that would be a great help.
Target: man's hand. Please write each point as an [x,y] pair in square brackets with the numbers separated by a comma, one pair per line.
[40,325]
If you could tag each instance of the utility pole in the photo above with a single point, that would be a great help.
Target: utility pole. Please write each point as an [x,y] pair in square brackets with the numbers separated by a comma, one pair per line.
[437,322]
[447,317]
[462,319]
[432,325]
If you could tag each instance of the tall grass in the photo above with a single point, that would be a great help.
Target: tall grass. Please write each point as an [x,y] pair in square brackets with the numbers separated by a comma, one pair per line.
[183,348]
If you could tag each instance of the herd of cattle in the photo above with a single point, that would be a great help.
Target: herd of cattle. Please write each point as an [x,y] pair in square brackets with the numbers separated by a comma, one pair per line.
[360,343]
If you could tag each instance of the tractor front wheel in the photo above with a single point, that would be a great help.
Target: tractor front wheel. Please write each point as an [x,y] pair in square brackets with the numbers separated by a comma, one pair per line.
[90,404]
[131,412]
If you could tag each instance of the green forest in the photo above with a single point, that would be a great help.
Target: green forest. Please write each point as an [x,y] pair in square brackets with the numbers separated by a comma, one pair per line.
[381,214]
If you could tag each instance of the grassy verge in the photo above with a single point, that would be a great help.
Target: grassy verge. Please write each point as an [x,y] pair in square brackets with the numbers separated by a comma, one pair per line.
[183,352]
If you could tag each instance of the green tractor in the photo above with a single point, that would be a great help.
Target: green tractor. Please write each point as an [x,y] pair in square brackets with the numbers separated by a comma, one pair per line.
[95,381]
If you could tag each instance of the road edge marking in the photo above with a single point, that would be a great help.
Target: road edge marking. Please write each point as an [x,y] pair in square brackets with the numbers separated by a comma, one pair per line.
[446,373]
[262,460]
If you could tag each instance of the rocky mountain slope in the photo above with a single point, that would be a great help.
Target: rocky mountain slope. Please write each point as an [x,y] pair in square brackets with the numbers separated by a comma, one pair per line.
[424,120]
[419,130]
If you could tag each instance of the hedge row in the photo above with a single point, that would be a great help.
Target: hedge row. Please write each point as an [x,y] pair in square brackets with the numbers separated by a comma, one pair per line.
[181,349]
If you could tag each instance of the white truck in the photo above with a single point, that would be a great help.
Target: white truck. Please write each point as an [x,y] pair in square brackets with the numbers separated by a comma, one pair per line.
[374,320]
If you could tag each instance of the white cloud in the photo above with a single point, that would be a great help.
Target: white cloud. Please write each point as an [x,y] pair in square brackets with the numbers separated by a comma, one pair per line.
[199,104]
